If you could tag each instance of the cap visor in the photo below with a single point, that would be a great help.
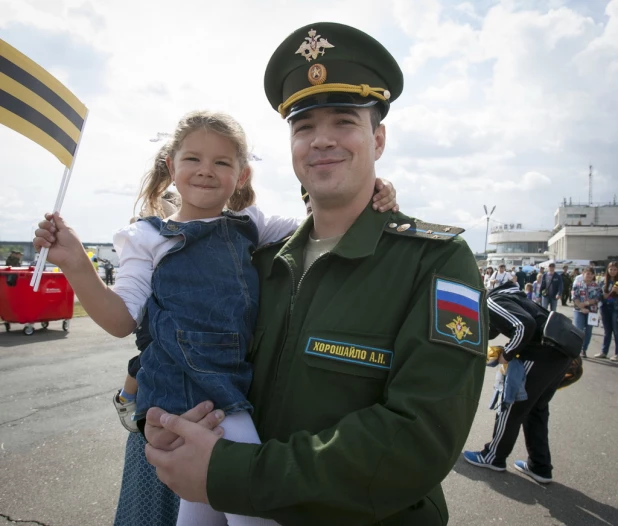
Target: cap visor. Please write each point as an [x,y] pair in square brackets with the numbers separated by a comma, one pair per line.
[331,100]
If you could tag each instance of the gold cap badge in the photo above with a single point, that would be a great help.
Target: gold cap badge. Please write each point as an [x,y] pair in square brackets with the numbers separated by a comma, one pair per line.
[316,74]
[312,47]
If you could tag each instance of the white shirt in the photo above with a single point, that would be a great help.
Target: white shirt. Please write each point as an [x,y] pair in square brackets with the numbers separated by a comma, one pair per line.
[501,279]
[140,248]
[578,278]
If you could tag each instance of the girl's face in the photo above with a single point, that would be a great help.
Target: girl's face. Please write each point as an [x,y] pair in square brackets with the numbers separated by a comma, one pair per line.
[613,271]
[207,172]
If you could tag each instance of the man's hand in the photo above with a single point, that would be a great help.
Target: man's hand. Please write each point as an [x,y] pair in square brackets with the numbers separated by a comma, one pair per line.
[385,197]
[184,470]
[165,440]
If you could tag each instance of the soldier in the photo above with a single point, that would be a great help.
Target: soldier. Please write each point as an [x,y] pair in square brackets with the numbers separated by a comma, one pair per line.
[567,285]
[360,311]
[14,259]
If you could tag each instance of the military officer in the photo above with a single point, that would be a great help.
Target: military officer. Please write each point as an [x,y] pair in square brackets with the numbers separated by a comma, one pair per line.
[14,259]
[369,349]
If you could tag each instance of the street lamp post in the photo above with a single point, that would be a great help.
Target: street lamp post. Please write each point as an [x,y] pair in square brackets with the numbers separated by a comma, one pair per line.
[487,215]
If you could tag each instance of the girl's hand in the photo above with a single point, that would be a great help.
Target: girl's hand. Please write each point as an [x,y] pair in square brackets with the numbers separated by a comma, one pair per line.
[65,248]
[585,311]
[385,197]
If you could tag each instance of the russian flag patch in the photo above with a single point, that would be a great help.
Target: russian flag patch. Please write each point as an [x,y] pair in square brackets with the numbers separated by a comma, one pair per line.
[456,314]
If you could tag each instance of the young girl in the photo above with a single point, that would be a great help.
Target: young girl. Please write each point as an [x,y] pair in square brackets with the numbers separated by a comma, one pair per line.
[193,274]
[528,290]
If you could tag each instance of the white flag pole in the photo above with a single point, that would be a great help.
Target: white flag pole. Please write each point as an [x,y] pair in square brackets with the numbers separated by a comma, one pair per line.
[41,261]
[38,272]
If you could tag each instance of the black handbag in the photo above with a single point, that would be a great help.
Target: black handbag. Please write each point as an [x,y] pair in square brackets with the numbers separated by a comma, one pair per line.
[560,333]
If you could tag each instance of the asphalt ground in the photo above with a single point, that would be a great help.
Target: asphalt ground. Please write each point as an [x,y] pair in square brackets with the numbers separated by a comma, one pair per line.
[62,447]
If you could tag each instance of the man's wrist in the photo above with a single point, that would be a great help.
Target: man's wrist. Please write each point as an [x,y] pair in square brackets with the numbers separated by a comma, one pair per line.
[228,484]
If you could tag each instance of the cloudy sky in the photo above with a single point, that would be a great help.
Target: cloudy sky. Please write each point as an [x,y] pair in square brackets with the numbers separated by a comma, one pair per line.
[505,102]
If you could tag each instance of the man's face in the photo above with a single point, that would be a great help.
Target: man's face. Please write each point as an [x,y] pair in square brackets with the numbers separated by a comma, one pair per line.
[502,268]
[333,153]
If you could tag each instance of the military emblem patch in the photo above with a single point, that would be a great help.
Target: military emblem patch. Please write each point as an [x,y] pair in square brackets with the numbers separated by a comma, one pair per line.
[348,352]
[313,46]
[456,315]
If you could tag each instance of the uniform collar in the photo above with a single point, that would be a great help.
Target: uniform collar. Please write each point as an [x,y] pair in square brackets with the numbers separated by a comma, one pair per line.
[359,241]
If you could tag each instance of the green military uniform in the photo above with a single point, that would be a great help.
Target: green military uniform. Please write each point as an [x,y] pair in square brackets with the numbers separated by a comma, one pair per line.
[368,365]
[365,434]
[567,284]
[13,260]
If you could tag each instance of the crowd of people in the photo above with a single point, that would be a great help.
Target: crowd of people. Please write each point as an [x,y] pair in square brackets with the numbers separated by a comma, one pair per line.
[594,296]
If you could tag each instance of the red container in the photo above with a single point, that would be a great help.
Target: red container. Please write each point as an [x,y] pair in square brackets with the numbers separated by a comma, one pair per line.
[20,304]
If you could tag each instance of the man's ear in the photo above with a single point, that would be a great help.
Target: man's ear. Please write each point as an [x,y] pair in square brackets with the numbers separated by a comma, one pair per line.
[243,177]
[169,162]
[380,140]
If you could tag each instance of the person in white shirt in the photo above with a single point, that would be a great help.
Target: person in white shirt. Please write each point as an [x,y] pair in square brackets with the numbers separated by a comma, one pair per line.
[487,278]
[500,277]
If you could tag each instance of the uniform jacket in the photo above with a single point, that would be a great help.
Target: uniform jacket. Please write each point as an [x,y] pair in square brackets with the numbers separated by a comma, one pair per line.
[360,416]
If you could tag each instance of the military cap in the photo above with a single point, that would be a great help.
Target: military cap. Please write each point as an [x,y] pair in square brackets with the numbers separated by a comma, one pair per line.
[328,64]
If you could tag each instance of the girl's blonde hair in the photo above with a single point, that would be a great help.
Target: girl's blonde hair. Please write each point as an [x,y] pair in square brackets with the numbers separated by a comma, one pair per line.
[157,180]
[528,287]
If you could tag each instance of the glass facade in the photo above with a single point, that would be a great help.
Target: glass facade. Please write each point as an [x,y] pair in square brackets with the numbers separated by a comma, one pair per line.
[519,247]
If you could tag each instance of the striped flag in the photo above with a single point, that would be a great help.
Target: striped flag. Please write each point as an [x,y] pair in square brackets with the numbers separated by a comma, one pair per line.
[37,105]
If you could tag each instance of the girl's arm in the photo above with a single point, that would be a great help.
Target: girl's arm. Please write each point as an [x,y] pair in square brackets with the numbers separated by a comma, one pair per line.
[103,305]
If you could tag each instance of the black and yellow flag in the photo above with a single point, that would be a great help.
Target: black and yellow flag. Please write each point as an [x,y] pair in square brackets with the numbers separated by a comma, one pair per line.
[37,105]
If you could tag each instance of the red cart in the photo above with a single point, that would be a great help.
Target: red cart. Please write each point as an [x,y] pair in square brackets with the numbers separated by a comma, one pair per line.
[20,304]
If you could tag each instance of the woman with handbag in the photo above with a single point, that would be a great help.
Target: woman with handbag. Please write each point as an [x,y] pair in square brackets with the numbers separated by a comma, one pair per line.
[587,295]
[609,311]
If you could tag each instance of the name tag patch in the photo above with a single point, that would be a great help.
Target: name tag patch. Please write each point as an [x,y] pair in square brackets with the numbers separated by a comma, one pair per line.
[348,352]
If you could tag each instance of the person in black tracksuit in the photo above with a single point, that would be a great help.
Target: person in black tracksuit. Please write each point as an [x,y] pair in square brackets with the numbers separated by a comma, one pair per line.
[511,313]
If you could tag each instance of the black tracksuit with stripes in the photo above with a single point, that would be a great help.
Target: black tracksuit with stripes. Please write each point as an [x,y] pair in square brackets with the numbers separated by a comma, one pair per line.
[511,313]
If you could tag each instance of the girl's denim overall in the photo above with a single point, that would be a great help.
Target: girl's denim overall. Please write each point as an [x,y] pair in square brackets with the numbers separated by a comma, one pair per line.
[202,314]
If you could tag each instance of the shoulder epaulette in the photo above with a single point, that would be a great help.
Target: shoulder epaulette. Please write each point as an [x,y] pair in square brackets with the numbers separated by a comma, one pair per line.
[416,228]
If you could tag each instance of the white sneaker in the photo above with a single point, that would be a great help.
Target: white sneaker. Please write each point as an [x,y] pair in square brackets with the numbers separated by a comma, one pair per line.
[125,412]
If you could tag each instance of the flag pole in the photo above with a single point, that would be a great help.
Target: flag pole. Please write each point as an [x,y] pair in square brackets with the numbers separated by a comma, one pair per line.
[40,261]
[38,272]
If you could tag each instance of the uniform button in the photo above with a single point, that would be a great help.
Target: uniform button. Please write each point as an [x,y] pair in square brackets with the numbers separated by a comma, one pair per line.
[392,225]
[430,231]
[173,228]
[447,229]
[436,237]
[403,228]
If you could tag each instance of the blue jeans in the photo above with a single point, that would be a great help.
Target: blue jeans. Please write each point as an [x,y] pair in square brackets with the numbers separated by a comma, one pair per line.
[609,314]
[581,322]
[550,303]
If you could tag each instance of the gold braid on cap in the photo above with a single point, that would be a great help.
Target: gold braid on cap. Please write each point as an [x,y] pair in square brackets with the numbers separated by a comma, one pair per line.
[364,90]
